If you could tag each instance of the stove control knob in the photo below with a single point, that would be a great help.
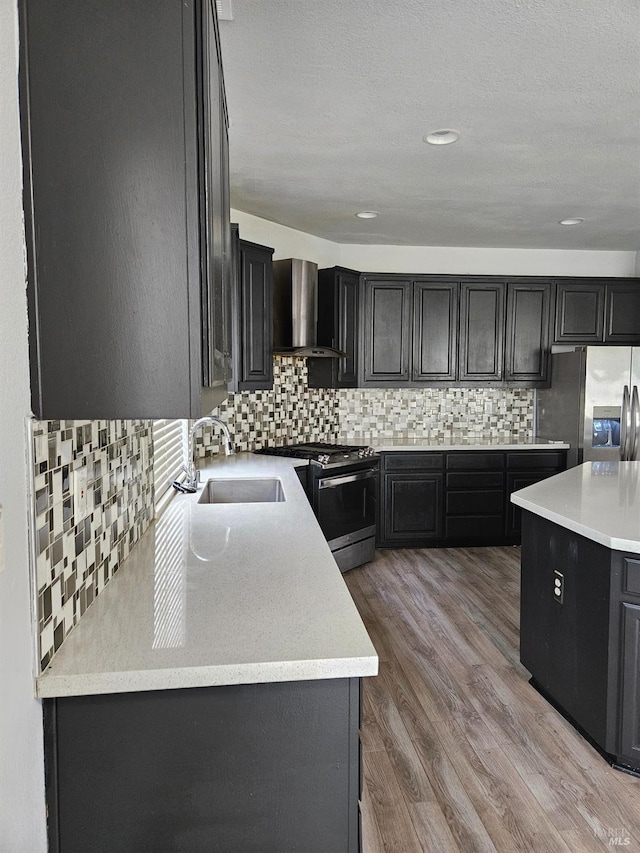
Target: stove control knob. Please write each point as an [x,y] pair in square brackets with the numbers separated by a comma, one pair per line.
[370,451]
[323,458]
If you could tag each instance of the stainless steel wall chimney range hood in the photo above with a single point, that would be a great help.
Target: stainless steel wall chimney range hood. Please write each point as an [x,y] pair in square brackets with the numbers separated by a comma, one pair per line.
[295,310]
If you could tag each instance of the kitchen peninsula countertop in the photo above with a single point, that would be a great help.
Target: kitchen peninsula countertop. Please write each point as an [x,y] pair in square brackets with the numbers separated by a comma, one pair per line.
[598,500]
[218,594]
[382,444]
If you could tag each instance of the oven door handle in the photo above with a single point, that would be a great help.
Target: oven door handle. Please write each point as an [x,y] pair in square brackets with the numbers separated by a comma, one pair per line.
[333,482]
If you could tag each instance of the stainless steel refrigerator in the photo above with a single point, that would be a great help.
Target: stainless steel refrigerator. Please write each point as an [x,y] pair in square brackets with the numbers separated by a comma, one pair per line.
[593,403]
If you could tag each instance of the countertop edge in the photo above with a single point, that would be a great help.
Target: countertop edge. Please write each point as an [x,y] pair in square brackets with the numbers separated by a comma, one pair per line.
[52,686]
[597,500]
[613,542]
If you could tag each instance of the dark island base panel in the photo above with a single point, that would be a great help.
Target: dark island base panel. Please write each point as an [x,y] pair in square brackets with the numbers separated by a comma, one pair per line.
[580,634]
[608,757]
[270,768]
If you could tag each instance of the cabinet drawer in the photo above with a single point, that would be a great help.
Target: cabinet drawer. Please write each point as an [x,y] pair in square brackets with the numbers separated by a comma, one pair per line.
[632,576]
[528,459]
[475,480]
[467,461]
[412,461]
[476,527]
[474,502]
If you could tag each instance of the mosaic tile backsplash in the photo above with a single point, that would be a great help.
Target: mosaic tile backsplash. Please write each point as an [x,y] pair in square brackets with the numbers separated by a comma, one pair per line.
[290,412]
[77,556]
[435,413]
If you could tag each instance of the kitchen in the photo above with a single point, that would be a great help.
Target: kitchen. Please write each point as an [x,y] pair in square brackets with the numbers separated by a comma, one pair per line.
[21,782]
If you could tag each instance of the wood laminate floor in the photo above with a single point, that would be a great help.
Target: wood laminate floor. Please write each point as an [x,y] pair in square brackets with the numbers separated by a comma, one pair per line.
[460,753]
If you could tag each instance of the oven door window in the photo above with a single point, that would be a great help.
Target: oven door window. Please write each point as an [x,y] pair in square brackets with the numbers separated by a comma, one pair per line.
[346,503]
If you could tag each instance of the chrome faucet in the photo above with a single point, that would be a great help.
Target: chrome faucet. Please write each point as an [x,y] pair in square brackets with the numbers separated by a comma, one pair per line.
[193,475]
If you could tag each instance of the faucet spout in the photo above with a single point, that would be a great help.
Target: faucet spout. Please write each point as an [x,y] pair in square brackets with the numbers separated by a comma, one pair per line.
[193,475]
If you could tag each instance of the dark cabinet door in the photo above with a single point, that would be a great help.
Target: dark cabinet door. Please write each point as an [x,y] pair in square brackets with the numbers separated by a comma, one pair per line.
[579,315]
[213,318]
[481,331]
[622,315]
[630,693]
[338,325]
[347,290]
[121,106]
[527,342]
[412,507]
[435,330]
[513,512]
[255,283]
[386,331]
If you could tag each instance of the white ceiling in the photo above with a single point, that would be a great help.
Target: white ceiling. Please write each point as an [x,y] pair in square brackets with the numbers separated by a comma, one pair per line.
[329,101]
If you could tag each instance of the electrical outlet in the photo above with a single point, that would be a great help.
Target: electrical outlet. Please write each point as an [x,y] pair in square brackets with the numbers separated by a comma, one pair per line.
[1,539]
[558,586]
[80,493]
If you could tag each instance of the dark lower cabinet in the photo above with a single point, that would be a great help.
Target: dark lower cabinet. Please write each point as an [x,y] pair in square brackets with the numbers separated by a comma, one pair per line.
[524,468]
[270,768]
[457,497]
[412,508]
[580,634]
[630,663]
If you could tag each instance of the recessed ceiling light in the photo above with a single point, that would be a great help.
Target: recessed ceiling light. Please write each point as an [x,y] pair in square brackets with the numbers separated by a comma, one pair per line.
[367,214]
[571,222]
[442,137]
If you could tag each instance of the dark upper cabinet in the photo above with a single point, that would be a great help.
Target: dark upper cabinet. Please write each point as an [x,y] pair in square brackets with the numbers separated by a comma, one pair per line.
[579,312]
[527,332]
[435,330]
[481,331]
[338,316]
[126,207]
[622,314]
[597,311]
[386,330]
[253,317]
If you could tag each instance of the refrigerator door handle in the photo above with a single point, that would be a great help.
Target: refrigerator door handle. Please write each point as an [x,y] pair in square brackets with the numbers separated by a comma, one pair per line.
[634,445]
[625,425]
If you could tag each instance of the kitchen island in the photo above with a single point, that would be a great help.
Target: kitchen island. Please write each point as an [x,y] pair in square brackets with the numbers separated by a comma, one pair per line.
[210,697]
[580,601]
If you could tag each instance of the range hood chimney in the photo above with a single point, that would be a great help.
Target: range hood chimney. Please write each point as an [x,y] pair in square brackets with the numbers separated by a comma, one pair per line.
[295,310]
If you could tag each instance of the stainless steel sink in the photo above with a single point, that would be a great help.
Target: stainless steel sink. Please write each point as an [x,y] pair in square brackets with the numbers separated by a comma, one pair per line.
[242,491]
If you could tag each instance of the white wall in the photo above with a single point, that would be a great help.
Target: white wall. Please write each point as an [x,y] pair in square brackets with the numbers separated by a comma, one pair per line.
[466,261]
[289,243]
[22,812]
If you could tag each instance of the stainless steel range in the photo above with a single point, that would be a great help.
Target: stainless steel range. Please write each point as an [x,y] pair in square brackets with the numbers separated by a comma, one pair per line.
[342,487]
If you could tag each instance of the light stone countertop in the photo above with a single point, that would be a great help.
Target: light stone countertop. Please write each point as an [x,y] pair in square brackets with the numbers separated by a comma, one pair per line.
[382,444]
[598,500]
[219,594]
